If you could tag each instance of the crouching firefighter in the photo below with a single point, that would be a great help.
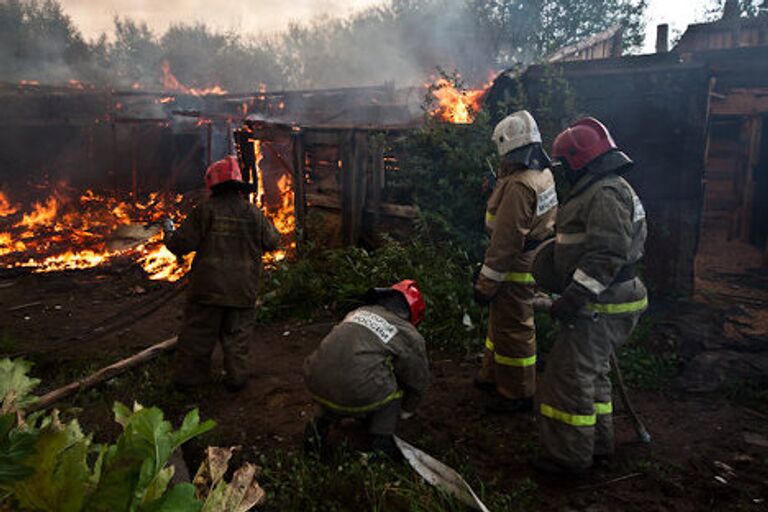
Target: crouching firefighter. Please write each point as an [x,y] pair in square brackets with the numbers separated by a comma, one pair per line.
[520,215]
[229,236]
[601,233]
[372,366]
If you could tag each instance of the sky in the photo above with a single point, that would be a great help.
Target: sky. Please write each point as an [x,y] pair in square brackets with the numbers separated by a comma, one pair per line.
[270,16]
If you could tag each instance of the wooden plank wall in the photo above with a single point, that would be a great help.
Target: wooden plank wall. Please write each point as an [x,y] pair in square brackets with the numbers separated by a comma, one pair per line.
[658,115]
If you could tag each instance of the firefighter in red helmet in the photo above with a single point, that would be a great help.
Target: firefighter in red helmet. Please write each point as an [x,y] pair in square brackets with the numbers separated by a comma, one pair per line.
[228,235]
[601,231]
[373,366]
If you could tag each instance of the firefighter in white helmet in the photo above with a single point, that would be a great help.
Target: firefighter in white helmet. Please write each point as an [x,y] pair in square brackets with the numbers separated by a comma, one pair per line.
[520,216]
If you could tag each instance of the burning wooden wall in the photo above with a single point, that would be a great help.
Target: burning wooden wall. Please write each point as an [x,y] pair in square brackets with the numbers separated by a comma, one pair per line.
[337,176]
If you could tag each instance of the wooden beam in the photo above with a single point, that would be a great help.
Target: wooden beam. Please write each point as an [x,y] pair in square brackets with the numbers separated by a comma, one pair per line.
[745,102]
[103,375]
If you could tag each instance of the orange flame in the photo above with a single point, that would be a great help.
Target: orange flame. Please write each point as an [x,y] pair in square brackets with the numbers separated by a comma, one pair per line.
[61,233]
[6,208]
[283,216]
[457,106]
[171,83]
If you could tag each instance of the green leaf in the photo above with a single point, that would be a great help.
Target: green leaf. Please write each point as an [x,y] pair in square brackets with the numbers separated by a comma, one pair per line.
[14,378]
[159,485]
[135,468]
[62,476]
[190,428]
[15,446]
[179,499]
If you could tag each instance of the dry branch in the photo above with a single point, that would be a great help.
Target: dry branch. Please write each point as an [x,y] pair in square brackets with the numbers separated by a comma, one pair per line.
[104,374]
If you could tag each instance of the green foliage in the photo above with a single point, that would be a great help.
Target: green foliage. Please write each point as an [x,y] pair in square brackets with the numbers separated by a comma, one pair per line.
[15,383]
[338,279]
[747,8]
[444,169]
[49,466]
[16,446]
[643,369]
[62,476]
[134,469]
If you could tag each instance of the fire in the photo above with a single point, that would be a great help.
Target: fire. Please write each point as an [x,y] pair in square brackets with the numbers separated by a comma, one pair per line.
[63,232]
[6,208]
[171,83]
[283,216]
[454,105]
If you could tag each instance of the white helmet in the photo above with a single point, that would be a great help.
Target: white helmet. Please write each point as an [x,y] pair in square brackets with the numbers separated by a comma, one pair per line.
[516,131]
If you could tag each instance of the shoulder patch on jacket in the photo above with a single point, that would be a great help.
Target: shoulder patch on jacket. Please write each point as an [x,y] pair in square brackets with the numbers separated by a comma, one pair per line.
[639,209]
[546,200]
[373,322]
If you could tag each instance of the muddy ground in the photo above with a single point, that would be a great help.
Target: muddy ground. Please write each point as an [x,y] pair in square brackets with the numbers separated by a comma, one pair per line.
[709,451]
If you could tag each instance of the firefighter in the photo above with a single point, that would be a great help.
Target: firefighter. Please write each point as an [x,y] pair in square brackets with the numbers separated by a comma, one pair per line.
[520,215]
[228,235]
[601,233]
[372,366]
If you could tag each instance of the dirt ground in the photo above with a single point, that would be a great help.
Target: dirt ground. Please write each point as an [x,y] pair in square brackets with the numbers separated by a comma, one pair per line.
[707,452]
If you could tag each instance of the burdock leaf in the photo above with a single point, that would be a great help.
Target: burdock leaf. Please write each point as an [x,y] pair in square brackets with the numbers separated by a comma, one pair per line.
[14,379]
[179,499]
[15,447]
[62,477]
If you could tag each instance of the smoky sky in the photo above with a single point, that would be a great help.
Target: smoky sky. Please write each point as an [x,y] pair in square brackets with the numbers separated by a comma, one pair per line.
[269,16]
[244,16]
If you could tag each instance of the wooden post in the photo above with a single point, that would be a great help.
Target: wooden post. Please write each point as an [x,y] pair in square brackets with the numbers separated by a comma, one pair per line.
[299,190]
[345,155]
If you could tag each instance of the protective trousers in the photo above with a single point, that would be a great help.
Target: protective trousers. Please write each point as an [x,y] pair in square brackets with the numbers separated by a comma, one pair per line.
[510,348]
[379,422]
[203,327]
[574,397]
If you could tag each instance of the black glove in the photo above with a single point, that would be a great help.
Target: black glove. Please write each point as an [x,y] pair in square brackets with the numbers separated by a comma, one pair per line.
[567,306]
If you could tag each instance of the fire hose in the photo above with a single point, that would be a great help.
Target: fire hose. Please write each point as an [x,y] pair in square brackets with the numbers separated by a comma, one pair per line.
[545,304]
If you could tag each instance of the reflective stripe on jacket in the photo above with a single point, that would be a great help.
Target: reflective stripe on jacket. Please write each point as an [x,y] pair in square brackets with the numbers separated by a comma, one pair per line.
[522,208]
[601,229]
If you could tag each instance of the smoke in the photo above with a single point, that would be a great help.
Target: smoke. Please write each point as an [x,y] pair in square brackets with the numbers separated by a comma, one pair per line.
[401,41]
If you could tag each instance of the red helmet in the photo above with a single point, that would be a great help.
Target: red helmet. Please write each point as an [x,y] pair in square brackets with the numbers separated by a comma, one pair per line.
[586,140]
[224,170]
[415,299]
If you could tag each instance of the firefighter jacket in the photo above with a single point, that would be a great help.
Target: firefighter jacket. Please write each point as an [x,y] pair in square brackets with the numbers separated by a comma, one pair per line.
[520,214]
[601,232]
[229,236]
[371,358]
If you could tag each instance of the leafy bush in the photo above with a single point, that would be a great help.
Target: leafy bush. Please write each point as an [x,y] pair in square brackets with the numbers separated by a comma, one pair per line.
[445,168]
[338,279]
[50,466]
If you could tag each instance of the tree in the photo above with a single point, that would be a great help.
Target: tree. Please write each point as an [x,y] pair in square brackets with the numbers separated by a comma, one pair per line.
[748,8]
[39,41]
[135,55]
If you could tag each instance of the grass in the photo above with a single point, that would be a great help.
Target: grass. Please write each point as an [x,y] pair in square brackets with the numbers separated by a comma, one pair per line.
[643,369]
[353,481]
